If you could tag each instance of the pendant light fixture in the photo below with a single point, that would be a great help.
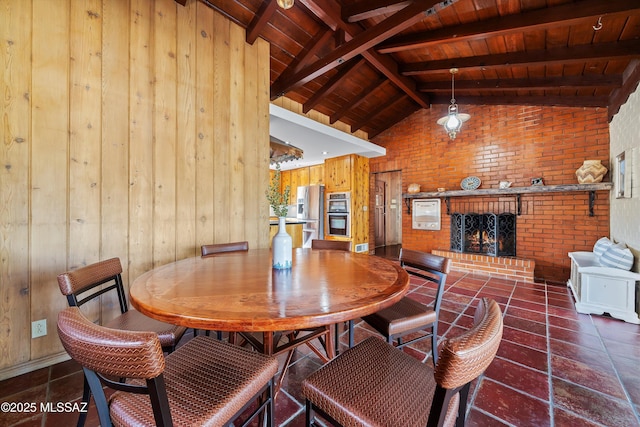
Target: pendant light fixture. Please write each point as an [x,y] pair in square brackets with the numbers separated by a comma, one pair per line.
[452,122]
[285,4]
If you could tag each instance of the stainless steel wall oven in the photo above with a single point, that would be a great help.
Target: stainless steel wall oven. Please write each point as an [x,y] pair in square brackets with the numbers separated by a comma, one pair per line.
[338,214]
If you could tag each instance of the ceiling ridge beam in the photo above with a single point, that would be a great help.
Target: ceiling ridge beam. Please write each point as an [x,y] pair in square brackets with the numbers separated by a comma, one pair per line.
[332,84]
[562,82]
[357,45]
[628,49]
[504,25]
[377,85]
[365,9]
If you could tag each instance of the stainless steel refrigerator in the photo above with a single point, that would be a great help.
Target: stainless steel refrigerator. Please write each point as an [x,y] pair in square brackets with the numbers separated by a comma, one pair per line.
[310,210]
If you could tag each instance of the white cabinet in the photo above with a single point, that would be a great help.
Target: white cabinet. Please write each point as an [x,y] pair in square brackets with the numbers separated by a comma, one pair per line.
[599,290]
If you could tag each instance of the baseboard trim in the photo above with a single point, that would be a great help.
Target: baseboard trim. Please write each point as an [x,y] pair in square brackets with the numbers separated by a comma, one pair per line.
[32,365]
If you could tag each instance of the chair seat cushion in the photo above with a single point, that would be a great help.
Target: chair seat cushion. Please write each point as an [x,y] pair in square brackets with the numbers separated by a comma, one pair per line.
[375,384]
[404,316]
[133,320]
[207,382]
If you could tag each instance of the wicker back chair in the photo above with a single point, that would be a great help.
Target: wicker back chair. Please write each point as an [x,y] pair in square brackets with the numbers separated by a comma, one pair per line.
[203,382]
[408,315]
[90,282]
[391,386]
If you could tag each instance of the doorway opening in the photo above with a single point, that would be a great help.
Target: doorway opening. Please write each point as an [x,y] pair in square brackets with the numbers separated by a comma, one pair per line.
[387,218]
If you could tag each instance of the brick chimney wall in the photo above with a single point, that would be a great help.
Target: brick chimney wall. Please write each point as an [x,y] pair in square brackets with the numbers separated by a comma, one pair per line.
[506,143]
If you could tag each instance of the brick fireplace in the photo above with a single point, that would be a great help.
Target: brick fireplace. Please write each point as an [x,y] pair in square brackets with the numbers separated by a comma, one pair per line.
[505,143]
[503,267]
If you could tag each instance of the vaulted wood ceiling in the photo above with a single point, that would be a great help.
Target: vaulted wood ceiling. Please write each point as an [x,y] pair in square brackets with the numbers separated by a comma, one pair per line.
[371,63]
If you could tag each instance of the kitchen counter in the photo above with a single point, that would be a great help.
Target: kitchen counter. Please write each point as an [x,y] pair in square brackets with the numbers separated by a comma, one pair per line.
[274,221]
[294,228]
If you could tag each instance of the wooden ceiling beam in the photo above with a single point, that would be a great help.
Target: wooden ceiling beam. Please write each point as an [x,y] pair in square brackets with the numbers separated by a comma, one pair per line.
[343,72]
[553,100]
[593,81]
[305,57]
[365,9]
[260,20]
[359,44]
[628,49]
[540,19]
[376,85]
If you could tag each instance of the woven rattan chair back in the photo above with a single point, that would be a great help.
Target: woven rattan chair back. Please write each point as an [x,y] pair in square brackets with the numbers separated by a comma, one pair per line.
[198,384]
[88,283]
[394,388]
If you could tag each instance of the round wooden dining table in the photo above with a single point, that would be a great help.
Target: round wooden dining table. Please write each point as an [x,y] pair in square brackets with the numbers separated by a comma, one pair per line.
[241,292]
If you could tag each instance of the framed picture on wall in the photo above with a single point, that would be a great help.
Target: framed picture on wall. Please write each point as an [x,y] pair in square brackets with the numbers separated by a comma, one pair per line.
[623,176]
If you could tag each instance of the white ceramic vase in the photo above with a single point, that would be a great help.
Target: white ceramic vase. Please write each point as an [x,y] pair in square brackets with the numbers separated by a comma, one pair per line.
[281,246]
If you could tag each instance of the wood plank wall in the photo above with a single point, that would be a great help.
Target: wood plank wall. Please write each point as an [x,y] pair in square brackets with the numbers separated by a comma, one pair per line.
[130,129]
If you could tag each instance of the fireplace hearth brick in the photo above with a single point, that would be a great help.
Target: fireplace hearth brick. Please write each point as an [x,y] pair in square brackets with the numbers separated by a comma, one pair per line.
[502,267]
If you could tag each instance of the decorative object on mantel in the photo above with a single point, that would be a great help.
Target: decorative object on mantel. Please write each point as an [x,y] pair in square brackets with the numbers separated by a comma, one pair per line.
[590,172]
[441,189]
[452,122]
[280,151]
[285,4]
[537,181]
[470,183]
[413,188]
[504,184]
[281,245]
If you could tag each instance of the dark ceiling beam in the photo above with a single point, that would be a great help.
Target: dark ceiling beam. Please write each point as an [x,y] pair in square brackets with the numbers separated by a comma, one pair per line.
[181,2]
[365,9]
[593,81]
[377,85]
[628,49]
[332,84]
[305,56]
[631,78]
[380,109]
[357,45]
[540,19]
[260,20]
[549,100]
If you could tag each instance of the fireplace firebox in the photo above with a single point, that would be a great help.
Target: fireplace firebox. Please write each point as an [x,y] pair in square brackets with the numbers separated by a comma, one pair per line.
[486,233]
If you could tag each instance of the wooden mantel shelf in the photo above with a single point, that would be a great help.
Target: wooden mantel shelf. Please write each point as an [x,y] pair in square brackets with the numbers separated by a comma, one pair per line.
[512,191]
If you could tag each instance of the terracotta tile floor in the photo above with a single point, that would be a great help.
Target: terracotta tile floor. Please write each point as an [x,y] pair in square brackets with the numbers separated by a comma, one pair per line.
[555,367]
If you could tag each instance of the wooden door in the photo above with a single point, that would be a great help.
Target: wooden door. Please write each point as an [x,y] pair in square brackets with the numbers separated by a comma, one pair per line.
[380,206]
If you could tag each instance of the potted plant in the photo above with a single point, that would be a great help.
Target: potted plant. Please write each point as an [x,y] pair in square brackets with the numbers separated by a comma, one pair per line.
[281,245]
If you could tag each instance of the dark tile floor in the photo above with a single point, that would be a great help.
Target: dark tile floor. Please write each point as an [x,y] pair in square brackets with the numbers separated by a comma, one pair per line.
[555,367]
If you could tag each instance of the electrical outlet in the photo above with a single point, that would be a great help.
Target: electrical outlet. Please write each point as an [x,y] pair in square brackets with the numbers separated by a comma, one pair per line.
[39,328]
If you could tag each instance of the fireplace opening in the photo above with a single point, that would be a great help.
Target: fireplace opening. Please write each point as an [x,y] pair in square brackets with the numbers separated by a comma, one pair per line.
[486,233]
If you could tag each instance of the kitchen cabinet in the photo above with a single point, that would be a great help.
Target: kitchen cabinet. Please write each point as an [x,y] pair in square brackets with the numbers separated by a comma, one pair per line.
[337,173]
[351,173]
[299,178]
[316,175]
